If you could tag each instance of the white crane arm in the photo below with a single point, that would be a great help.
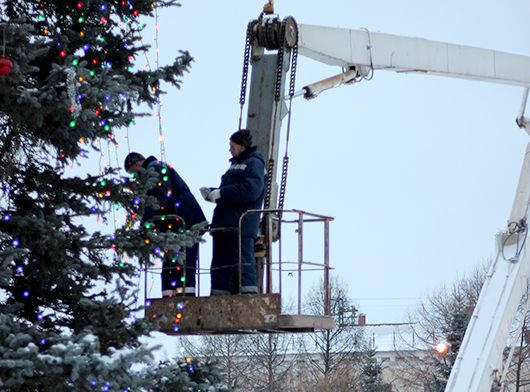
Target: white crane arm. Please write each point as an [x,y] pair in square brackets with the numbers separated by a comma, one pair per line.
[365,50]
[480,356]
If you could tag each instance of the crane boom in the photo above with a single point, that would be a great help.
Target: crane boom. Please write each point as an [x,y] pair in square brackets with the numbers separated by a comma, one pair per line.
[379,51]
[480,356]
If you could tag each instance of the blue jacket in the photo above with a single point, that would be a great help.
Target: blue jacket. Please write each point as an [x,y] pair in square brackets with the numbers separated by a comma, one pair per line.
[242,188]
[173,195]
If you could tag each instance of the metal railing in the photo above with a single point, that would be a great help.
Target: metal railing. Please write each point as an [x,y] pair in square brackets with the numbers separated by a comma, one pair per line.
[272,225]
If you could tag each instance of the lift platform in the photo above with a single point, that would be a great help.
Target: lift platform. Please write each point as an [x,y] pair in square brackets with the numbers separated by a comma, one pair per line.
[231,314]
[253,313]
[270,57]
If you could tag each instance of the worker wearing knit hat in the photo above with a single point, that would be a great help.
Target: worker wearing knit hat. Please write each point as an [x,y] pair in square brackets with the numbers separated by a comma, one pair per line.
[242,188]
[242,137]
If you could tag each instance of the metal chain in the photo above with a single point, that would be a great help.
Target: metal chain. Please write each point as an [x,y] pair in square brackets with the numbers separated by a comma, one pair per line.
[293,70]
[277,92]
[244,78]
[268,191]
[283,184]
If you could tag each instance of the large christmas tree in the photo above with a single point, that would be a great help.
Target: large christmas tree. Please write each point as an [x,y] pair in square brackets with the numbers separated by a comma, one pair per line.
[68,306]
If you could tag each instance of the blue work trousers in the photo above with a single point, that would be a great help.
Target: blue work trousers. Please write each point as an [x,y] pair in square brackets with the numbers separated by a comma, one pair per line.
[225,266]
[172,274]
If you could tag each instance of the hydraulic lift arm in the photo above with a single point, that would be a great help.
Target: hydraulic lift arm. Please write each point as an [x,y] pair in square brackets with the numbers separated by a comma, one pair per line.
[359,53]
[368,50]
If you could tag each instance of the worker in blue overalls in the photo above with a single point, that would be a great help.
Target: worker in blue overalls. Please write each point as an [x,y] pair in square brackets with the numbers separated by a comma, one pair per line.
[242,188]
[175,198]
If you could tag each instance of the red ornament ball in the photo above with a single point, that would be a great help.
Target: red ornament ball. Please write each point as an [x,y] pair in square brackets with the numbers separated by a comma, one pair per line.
[6,66]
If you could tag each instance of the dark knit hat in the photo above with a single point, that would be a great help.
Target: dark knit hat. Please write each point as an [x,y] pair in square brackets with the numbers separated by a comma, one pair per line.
[131,159]
[242,137]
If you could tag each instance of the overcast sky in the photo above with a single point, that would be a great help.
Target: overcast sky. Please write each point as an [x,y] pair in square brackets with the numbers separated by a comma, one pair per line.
[419,171]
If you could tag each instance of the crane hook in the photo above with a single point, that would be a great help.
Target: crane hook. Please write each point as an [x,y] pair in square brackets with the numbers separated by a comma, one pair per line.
[268,8]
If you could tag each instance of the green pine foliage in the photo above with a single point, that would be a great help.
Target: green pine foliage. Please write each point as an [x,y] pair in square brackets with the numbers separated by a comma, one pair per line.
[371,373]
[68,296]
[454,336]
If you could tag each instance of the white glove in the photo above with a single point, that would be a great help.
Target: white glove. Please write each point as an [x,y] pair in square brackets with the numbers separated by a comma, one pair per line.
[214,195]
[205,192]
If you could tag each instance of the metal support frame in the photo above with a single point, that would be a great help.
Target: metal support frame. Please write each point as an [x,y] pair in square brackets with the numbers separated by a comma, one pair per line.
[302,218]
[265,115]
[378,51]
[250,313]
[300,259]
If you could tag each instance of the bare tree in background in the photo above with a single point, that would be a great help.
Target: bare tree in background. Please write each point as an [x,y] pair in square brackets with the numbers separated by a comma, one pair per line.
[430,323]
[331,354]
[271,358]
[253,363]
[228,351]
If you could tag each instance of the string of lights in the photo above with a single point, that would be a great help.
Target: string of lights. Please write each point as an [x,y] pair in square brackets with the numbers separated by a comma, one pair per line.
[109,155]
